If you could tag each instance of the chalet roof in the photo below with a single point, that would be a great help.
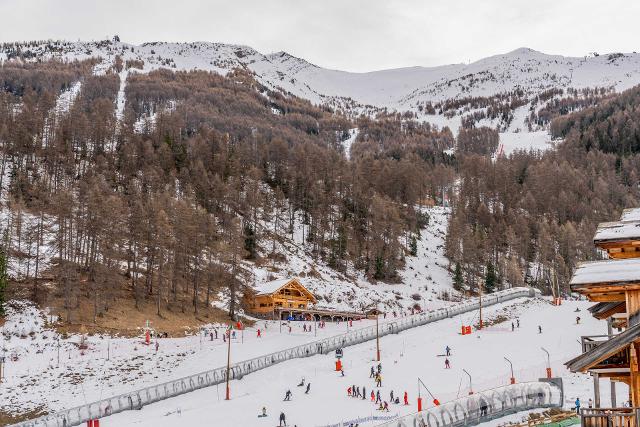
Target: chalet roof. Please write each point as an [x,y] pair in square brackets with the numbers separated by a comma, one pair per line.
[617,231]
[609,271]
[268,288]
[604,350]
[603,310]
[632,214]
[273,286]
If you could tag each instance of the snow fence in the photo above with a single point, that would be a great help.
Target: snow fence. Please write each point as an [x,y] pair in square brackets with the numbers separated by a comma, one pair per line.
[486,405]
[139,398]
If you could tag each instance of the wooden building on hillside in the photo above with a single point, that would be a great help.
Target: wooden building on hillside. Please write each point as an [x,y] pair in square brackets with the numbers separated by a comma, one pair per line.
[615,285]
[268,297]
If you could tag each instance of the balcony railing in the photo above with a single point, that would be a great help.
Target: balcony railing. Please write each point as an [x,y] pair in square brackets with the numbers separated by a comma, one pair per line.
[590,342]
[610,417]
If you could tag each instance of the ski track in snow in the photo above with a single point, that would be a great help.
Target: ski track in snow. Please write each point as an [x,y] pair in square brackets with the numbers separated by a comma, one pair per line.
[410,354]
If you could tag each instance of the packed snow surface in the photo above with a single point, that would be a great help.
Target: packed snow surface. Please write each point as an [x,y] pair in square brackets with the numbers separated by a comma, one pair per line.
[416,353]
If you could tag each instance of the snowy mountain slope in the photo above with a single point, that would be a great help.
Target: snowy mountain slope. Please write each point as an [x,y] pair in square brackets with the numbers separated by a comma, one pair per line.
[404,89]
[400,89]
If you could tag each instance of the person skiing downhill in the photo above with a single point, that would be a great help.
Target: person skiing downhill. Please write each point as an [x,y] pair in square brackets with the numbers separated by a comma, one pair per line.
[287,395]
[448,351]
[308,388]
[378,398]
[539,329]
[447,365]
[364,393]
[283,420]
[406,398]
[373,372]
[373,396]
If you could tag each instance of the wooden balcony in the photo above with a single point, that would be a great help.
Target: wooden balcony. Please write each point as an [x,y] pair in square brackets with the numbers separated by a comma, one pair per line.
[609,417]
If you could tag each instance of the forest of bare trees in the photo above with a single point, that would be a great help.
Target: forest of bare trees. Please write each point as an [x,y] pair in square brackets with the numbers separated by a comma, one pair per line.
[166,214]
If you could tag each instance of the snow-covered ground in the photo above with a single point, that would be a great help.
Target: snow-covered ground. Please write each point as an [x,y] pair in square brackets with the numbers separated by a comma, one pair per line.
[425,278]
[405,357]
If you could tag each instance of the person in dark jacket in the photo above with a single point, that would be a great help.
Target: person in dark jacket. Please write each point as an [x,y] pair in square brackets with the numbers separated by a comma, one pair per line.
[283,421]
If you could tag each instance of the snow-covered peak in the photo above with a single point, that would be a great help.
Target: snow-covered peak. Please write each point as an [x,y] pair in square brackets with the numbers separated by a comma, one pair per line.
[524,69]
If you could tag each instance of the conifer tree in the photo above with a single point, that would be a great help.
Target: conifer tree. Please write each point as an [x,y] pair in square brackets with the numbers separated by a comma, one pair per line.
[458,281]
[491,280]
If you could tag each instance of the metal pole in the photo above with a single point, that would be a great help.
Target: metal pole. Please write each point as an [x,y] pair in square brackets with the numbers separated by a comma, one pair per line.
[470,384]
[548,362]
[377,338]
[480,287]
[228,397]
[513,379]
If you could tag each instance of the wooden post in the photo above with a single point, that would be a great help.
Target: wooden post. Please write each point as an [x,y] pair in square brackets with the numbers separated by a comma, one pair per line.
[612,383]
[480,287]
[596,390]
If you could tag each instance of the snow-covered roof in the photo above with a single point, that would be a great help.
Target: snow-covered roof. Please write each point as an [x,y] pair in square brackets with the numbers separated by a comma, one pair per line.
[632,214]
[268,288]
[609,271]
[620,230]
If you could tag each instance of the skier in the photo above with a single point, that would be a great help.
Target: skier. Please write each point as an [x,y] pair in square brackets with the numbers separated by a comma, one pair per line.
[157,346]
[364,393]
[353,390]
[406,398]
[211,336]
[373,373]
[513,327]
[379,381]
[378,398]
[483,407]
[447,365]
[448,351]
[386,407]
[308,388]
[301,384]
[349,391]
[391,396]
[539,329]
[517,323]
[341,373]
[379,368]
[373,396]
[216,331]
[578,405]
[358,392]
[259,335]
[282,420]
[264,412]
[287,396]
[578,320]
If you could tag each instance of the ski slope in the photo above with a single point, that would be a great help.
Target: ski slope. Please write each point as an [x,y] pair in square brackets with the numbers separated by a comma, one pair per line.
[405,357]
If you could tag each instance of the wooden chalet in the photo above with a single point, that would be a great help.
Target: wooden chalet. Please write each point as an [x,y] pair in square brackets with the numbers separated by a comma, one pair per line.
[615,285]
[269,297]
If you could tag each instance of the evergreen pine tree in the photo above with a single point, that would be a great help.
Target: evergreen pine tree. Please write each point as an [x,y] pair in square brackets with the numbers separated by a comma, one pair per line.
[491,280]
[413,246]
[3,279]
[458,281]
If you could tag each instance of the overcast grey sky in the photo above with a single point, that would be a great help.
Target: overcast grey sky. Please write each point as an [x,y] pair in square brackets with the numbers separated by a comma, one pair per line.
[355,35]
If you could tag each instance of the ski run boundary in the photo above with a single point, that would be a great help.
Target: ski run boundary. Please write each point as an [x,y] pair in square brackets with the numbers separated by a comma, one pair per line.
[145,396]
